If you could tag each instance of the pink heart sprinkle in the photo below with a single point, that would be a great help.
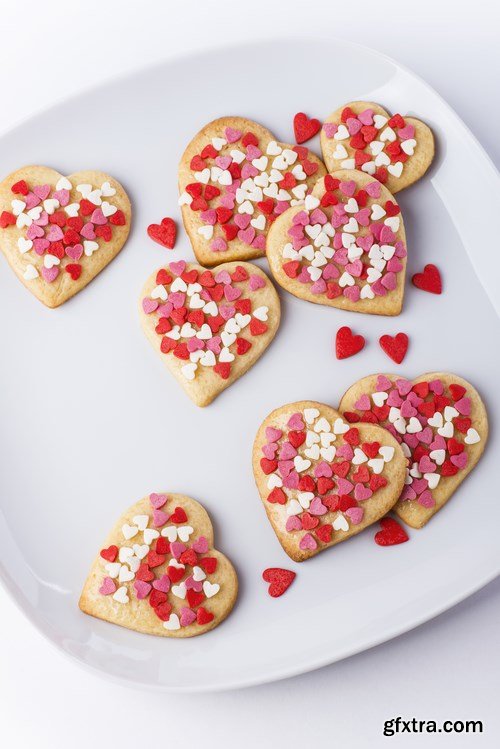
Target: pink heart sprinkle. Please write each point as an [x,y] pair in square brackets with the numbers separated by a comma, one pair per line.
[302,218]
[200,545]
[142,588]
[31,201]
[383,384]
[253,152]
[232,135]
[362,492]
[287,452]
[344,487]
[323,469]
[330,128]
[345,451]
[363,403]
[223,161]
[192,584]
[177,548]
[352,292]
[98,217]
[426,499]
[50,274]
[163,584]
[291,481]
[187,616]
[209,217]
[215,344]
[242,220]
[330,271]
[353,125]
[177,267]
[218,244]
[34,231]
[148,305]
[226,311]
[318,287]
[165,310]
[87,231]
[259,242]
[75,251]
[373,189]
[407,132]
[54,233]
[355,514]
[273,435]
[295,422]
[348,187]
[249,170]
[62,196]
[293,523]
[426,465]
[232,292]
[317,507]
[269,450]
[460,460]
[366,116]
[40,245]
[307,543]
[403,386]
[318,217]
[194,344]
[227,200]
[159,518]
[407,410]
[463,406]
[256,282]
[247,235]
[223,277]
[108,586]
[42,191]
[436,386]
[158,500]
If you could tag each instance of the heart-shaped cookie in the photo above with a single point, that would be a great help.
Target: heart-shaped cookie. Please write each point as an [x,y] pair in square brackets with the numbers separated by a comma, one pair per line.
[59,232]
[361,135]
[441,423]
[345,247]
[234,180]
[320,479]
[158,572]
[209,326]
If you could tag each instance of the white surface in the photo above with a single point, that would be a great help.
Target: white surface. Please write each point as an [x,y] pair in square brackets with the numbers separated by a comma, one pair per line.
[445,641]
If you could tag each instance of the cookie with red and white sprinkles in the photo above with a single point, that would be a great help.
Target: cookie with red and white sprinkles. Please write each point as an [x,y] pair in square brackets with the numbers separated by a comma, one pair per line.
[59,232]
[396,150]
[345,247]
[158,572]
[209,326]
[322,480]
[235,178]
[441,423]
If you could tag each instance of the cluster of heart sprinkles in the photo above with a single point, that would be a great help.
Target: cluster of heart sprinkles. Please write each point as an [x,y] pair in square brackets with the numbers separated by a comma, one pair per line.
[205,318]
[58,231]
[382,144]
[315,467]
[241,185]
[431,421]
[160,559]
[345,243]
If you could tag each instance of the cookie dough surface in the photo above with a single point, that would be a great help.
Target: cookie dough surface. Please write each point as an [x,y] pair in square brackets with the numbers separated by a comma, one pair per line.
[397,150]
[56,237]
[223,321]
[112,590]
[451,442]
[234,179]
[346,247]
[320,480]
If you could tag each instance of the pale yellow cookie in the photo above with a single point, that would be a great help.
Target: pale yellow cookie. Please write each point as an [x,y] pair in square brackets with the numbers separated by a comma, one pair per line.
[237,231]
[56,260]
[322,481]
[407,136]
[458,428]
[224,320]
[358,265]
[158,572]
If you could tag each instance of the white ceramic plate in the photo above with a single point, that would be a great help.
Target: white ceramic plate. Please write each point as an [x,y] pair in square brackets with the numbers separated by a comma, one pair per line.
[92,420]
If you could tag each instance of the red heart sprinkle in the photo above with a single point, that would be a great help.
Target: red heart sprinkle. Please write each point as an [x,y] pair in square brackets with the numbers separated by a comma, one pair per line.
[105,232]
[392,533]
[175,573]
[7,219]
[377,482]
[249,139]
[352,436]
[277,496]
[179,516]
[163,610]
[157,597]
[279,579]
[118,219]
[203,616]
[189,557]
[223,369]
[209,152]
[74,270]
[20,188]
[395,346]
[429,280]
[347,344]
[110,553]
[209,564]
[154,559]
[457,391]
[164,233]
[257,327]
[144,573]
[305,128]
[162,545]
[194,598]
[324,533]
[242,346]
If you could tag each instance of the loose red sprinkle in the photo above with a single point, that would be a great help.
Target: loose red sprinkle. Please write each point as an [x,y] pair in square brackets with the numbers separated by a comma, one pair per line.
[209,564]
[194,597]
[324,533]
[305,128]
[429,280]
[178,516]
[392,533]
[277,496]
[203,616]
[279,579]
[257,327]
[175,573]
[347,344]
[395,346]
[164,233]
[74,270]
[223,369]
[20,188]
[118,219]
[7,219]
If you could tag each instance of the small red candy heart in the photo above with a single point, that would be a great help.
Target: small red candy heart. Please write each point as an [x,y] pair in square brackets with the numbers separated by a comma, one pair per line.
[429,280]
[74,270]
[305,128]
[7,219]
[20,188]
[110,553]
[347,344]
[178,516]
[395,346]
[203,616]
[164,233]
[392,533]
[279,579]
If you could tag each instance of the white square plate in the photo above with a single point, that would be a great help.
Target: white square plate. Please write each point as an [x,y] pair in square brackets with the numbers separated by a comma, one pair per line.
[92,420]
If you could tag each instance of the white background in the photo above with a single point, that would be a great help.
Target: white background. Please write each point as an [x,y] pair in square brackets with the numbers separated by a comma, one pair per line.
[446,669]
